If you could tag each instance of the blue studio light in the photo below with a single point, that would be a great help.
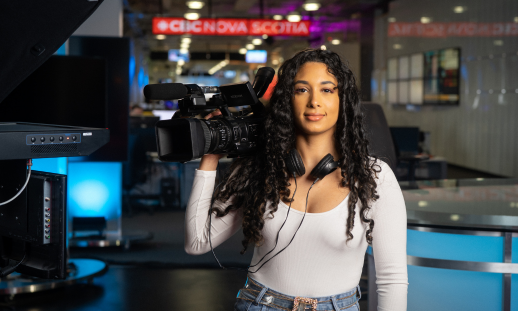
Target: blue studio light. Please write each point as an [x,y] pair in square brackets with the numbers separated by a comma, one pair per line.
[95,189]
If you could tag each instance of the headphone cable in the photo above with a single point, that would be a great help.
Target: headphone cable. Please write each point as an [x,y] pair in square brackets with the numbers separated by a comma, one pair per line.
[277,238]
[307,196]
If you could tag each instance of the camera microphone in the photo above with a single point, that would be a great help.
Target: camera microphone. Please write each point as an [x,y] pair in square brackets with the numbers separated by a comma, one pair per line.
[262,80]
[165,91]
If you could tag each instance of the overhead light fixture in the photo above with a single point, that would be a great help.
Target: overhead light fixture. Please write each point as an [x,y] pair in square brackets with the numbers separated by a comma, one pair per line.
[277,17]
[323,47]
[516,19]
[265,37]
[192,16]
[186,40]
[294,17]
[335,42]
[425,20]
[397,46]
[218,67]
[181,62]
[195,5]
[391,19]
[498,42]
[311,5]
[184,45]
[184,51]
[250,46]
[242,51]
[459,9]
[160,37]
[275,62]
[257,41]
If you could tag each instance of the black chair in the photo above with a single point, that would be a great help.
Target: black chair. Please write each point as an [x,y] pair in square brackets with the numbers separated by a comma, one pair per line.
[381,142]
[378,133]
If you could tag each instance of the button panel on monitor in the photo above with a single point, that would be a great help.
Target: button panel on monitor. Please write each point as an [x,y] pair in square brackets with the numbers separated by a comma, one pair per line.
[49,139]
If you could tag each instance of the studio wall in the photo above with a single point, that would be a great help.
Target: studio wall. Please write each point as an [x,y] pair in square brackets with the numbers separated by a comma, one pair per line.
[479,133]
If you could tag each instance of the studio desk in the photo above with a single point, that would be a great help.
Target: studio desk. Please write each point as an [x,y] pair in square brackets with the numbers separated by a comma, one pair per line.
[462,245]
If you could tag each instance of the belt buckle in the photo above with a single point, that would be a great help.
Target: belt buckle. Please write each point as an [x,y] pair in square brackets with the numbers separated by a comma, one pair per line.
[303,302]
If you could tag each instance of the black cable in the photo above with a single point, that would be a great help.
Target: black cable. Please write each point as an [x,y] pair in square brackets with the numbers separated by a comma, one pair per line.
[10,269]
[307,196]
[277,238]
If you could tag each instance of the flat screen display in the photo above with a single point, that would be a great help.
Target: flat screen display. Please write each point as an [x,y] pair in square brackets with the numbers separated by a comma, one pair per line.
[429,78]
[256,56]
[176,55]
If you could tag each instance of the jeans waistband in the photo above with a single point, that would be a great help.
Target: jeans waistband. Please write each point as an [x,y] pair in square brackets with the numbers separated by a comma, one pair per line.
[258,293]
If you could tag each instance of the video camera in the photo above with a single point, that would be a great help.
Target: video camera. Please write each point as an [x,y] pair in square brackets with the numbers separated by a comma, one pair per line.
[184,138]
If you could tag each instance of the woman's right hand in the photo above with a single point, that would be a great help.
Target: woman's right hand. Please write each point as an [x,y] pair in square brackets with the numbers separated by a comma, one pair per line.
[209,162]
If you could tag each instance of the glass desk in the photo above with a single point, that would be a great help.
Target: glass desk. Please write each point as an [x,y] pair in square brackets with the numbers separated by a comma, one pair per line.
[462,244]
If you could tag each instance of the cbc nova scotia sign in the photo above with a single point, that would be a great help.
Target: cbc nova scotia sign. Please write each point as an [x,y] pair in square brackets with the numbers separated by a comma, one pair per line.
[229,27]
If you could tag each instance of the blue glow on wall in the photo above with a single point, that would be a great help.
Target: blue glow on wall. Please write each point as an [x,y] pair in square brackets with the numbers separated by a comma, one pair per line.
[62,49]
[51,165]
[95,189]
[132,66]
[141,78]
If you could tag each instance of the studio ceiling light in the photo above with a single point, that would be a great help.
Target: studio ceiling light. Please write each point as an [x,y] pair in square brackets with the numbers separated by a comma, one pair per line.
[250,46]
[335,42]
[425,20]
[196,5]
[160,37]
[311,5]
[192,16]
[459,9]
[184,51]
[294,17]
[257,42]
[277,17]
[184,45]
[186,40]
[242,51]
[391,19]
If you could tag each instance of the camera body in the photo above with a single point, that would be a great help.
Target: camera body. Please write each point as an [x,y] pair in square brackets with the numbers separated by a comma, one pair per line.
[184,138]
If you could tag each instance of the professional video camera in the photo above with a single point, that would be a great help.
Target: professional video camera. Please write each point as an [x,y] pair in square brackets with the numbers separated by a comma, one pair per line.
[182,139]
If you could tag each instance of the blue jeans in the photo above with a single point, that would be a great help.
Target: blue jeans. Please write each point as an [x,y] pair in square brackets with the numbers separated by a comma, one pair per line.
[257,297]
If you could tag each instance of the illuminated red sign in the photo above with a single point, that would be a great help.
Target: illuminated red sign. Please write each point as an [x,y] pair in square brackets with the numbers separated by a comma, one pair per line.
[229,27]
[433,30]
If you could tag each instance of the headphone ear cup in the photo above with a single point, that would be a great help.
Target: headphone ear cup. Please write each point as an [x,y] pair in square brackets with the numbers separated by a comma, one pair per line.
[326,166]
[294,163]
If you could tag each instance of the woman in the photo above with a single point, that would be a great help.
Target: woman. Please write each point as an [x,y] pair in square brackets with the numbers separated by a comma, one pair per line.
[315,109]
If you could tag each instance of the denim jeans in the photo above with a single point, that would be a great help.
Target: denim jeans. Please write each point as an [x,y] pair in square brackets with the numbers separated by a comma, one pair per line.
[257,297]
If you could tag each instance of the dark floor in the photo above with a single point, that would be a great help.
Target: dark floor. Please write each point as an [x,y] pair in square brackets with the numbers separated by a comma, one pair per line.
[158,274]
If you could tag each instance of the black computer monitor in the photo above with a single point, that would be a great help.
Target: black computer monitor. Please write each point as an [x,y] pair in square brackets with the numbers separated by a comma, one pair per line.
[406,140]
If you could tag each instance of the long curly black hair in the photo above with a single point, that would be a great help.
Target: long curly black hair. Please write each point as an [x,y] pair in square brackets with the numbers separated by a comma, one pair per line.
[251,182]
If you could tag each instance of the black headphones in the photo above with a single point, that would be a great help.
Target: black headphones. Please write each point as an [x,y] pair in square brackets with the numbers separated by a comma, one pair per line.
[296,167]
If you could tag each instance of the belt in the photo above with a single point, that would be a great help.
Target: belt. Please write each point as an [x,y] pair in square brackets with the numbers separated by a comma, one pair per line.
[257,293]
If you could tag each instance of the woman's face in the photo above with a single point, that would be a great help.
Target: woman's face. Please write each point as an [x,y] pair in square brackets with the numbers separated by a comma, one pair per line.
[315,100]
